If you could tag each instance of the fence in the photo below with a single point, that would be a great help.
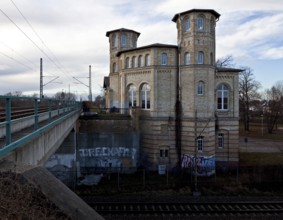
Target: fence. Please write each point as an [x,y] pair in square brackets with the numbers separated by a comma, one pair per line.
[238,181]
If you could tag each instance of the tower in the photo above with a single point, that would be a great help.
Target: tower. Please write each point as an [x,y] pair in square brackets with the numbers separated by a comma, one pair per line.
[119,40]
[196,47]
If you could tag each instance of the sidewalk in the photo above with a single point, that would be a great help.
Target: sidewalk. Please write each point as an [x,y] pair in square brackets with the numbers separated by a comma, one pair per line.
[260,145]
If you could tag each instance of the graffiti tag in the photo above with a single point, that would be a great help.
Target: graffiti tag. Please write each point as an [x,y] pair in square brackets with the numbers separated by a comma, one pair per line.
[108,152]
[200,165]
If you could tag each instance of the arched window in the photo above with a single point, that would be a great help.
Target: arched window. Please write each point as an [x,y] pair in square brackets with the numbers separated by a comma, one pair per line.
[200,88]
[200,23]
[123,40]
[114,40]
[127,64]
[133,62]
[187,25]
[132,96]
[222,97]
[200,143]
[163,59]
[140,61]
[147,60]
[220,140]
[114,67]
[187,59]
[200,57]
[145,96]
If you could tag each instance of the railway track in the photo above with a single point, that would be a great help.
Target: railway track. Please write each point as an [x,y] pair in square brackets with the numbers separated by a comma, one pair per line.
[21,112]
[164,210]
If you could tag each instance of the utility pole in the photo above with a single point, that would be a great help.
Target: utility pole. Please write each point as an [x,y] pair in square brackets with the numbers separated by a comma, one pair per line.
[90,92]
[41,80]
[89,85]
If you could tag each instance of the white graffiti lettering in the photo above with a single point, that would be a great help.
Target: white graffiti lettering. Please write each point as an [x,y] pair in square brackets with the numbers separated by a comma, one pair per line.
[108,152]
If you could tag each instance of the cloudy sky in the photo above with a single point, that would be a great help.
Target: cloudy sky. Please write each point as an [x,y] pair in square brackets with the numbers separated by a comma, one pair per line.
[69,35]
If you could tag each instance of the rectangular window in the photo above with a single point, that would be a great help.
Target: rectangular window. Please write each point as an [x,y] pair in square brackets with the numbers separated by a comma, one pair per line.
[220,140]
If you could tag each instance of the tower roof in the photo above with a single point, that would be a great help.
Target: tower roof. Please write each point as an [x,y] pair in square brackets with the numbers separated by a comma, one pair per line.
[121,30]
[176,16]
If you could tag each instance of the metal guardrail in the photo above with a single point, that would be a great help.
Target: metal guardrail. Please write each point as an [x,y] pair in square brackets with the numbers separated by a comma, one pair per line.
[54,108]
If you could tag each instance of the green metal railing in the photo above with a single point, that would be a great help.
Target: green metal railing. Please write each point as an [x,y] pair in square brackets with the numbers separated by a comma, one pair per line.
[42,113]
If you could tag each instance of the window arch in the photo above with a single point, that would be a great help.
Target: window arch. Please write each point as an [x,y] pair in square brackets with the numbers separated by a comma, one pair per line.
[200,57]
[123,40]
[200,144]
[114,67]
[200,23]
[222,97]
[187,25]
[147,60]
[187,58]
[132,91]
[163,59]
[140,61]
[200,88]
[133,62]
[114,40]
[220,140]
[127,64]
[145,96]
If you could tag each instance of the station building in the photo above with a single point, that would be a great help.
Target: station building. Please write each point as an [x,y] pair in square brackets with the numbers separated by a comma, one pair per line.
[185,107]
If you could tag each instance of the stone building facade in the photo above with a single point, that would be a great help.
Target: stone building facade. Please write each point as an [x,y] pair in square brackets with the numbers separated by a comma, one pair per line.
[186,108]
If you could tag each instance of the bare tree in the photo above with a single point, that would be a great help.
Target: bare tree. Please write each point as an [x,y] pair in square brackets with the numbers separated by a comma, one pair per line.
[274,97]
[65,96]
[227,61]
[248,94]
[99,101]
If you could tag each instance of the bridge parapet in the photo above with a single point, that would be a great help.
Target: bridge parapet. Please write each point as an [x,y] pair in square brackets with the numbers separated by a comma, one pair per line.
[44,116]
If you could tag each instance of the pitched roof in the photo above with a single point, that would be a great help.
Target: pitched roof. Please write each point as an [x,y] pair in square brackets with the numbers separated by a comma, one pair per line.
[156,45]
[121,30]
[225,69]
[176,16]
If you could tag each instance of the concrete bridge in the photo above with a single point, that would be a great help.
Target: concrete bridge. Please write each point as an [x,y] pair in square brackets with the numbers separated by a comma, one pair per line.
[33,139]
[26,143]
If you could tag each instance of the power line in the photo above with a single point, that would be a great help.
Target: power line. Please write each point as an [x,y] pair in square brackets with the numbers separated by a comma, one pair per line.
[40,49]
[14,51]
[60,67]
[19,62]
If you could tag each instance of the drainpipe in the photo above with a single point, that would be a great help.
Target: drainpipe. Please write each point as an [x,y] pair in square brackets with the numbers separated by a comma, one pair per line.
[178,106]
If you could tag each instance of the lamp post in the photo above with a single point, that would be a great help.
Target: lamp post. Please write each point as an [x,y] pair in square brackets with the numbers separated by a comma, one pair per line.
[261,124]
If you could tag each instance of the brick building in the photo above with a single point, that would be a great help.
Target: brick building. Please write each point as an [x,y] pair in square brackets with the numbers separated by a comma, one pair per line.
[186,109]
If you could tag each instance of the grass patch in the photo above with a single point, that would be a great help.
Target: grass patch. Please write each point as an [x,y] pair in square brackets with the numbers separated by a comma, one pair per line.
[260,159]
[257,130]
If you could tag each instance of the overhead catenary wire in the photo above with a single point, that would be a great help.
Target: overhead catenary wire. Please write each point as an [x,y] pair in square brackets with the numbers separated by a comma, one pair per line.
[52,60]
[59,66]
[17,61]
[34,43]
[20,55]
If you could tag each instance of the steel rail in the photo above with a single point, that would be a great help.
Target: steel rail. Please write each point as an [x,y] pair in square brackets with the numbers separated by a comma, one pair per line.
[207,208]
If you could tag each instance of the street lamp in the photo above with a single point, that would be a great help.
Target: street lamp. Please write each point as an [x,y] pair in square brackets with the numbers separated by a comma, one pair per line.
[261,124]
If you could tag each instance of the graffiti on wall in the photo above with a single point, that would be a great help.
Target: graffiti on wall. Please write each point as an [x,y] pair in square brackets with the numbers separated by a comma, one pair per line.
[109,156]
[199,165]
[108,152]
